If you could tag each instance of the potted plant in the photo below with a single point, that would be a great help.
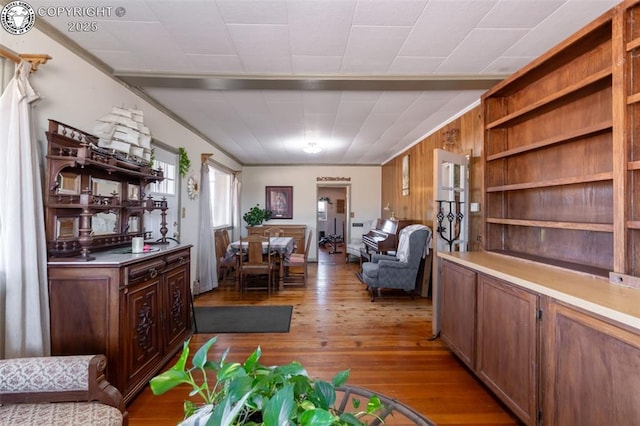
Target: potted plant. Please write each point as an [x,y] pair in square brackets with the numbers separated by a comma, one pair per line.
[252,394]
[255,216]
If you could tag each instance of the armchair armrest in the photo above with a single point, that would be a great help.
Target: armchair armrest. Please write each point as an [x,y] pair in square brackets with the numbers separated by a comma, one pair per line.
[57,379]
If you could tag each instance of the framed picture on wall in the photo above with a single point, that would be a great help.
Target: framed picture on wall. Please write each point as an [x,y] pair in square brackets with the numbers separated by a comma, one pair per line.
[279,199]
[405,175]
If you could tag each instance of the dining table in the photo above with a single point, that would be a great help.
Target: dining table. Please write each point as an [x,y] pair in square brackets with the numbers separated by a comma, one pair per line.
[281,246]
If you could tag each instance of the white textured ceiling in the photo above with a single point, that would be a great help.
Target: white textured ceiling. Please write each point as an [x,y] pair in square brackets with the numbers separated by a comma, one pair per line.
[257,77]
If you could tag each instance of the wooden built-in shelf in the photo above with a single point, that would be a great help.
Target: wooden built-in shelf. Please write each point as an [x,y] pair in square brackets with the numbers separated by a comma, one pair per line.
[633,224]
[556,96]
[633,165]
[598,177]
[575,226]
[563,138]
[632,99]
[633,44]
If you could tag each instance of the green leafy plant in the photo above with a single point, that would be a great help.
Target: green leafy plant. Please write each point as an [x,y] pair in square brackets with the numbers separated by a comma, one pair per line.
[252,394]
[184,164]
[256,215]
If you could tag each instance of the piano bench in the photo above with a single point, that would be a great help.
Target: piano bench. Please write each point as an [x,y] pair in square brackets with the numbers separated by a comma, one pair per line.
[354,249]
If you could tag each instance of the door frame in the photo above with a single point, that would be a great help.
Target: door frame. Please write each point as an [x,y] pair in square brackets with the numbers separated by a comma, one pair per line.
[439,157]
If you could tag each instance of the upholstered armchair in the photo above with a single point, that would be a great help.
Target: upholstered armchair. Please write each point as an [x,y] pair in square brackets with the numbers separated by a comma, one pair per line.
[399,271]
[59,390]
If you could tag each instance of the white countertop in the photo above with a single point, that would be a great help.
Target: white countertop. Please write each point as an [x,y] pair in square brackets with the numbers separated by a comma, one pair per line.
[119,256]
[594,294]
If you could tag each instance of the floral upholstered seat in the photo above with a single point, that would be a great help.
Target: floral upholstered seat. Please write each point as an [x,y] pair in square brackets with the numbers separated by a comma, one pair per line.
[58,390]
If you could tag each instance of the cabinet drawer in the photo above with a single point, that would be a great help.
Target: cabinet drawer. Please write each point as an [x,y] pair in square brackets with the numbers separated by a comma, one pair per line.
[178,258]
[144,270]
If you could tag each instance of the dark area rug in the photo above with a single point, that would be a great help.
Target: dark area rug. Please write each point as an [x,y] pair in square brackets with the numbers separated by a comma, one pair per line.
[243,319]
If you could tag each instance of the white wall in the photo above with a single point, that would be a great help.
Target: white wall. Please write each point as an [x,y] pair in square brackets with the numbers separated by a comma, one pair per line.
[365,185]
[76,93]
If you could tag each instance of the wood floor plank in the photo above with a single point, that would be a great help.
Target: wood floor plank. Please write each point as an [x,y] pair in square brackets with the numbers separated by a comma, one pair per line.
[334,326]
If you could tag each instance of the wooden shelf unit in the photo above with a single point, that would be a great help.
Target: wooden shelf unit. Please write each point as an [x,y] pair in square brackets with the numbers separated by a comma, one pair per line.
[75,165]
[549,155]
[629,241]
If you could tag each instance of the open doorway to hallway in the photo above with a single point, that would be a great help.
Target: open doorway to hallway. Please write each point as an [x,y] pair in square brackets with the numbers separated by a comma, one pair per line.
[332,222]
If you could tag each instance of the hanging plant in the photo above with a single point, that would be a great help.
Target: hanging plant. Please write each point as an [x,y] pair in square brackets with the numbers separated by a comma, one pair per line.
[185,163]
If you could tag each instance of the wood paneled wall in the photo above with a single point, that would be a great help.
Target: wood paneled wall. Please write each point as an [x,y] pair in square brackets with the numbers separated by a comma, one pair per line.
[418,205]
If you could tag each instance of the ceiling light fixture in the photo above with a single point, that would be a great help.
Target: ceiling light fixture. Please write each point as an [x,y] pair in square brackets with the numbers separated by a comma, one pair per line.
[312,148]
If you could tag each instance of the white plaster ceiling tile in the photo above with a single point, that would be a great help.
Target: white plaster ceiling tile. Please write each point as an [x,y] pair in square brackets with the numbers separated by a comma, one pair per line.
[203,32]
[371,50]
[139,37]
[360,96]
[320,28]
[442,25]
[507,64]
[388,12]
[261,40]
[394,102]
[525,13]
[414,65]
[267,64]
[376,125]
[282,96]
[321,102]
[558,26]
[479,49]
[315,65]
[245,101]
[253,12]
[220,64]
[353,111]
[118,60]
[317,124]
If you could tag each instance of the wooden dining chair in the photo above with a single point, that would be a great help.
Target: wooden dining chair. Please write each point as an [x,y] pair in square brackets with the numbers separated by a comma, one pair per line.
[273,232]
[298,261]
[257,260]
[225,262]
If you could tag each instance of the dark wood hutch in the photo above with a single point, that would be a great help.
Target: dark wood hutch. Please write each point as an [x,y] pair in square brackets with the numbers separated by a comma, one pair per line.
[134,308]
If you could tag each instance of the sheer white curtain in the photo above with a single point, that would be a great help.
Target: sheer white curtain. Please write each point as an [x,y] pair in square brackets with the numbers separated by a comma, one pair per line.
[24,304]
[206,259]
[235,202]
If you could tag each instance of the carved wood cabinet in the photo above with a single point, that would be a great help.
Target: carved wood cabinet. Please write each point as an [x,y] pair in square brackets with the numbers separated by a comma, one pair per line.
[135,309]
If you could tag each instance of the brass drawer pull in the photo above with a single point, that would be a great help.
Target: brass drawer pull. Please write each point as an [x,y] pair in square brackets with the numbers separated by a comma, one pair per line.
[153,272]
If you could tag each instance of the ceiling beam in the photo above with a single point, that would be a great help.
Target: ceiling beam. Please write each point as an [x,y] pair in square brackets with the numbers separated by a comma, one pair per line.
[310,83]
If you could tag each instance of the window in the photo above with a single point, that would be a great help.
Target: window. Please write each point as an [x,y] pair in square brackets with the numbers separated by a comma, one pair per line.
[322,210]
[168,185]
[221,204]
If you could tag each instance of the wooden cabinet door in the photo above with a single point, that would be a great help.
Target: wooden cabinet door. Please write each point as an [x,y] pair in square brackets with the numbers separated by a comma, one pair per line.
[507,357]
[592,369]
[177,321]
[143,344]
[459,311]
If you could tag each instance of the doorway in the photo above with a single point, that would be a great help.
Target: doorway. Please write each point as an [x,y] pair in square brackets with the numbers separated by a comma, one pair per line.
[332,222]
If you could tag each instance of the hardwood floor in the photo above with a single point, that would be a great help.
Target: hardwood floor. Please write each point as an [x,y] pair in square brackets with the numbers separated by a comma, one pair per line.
[334,326]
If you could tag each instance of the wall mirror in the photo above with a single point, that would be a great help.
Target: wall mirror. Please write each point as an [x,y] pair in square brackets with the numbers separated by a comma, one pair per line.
[68,183]
[134,192]
[104,223]
[133,224]
[66,228]
[104,187]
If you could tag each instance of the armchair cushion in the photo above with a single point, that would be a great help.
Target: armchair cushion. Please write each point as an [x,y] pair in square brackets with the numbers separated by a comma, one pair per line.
[58,390]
